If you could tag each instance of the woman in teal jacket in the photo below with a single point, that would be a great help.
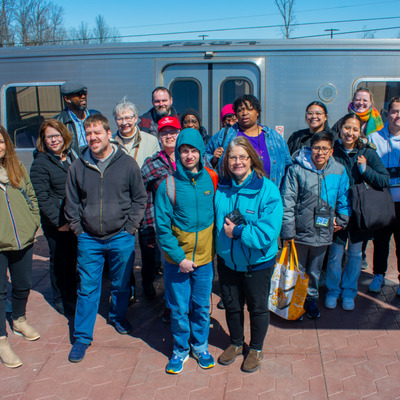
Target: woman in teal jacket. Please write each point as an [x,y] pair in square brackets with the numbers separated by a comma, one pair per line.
[185,221]
[246,245]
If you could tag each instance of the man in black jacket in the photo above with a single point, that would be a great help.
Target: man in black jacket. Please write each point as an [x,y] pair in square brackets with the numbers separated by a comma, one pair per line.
[75,112]
[105,202]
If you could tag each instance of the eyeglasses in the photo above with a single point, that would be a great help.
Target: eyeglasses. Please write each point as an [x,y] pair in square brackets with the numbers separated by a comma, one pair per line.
[79,94]
[323,150]
[56,136]
[230,120]
[312,113]
[166,133]
[129,118]
[233,159]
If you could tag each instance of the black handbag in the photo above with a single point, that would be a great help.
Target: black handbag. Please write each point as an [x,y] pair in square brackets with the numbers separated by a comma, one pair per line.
[372,208]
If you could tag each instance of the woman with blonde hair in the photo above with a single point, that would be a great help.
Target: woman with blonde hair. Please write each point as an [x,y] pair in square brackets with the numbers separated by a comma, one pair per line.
[49,171]
[248,210]
[19,216]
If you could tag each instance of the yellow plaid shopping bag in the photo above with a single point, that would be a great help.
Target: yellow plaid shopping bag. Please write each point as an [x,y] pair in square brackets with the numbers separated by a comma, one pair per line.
[288,285]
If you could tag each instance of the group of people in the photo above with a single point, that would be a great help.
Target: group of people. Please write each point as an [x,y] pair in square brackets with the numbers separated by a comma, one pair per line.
[191,195]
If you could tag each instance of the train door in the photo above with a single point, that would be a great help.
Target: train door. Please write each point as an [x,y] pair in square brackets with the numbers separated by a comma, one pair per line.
[207,87]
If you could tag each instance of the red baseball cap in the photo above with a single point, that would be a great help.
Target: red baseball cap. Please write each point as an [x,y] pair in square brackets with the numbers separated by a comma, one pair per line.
[169,121]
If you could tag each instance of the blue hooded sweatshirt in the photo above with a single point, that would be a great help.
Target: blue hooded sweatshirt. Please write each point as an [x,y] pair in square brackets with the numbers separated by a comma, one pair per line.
[185,229]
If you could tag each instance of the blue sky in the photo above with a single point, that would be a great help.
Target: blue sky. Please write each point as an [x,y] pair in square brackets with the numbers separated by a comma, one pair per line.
[150,17]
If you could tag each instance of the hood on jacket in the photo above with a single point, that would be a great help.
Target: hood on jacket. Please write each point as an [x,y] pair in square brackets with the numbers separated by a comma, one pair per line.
[193,138]
[304,159]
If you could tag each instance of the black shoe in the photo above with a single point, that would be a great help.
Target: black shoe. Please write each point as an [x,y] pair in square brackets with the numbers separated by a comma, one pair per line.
[123,327]
[311,309]
[166,318]
[220,305]
[149,291]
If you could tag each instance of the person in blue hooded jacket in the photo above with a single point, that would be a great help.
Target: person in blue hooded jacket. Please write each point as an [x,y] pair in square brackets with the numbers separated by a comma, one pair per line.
[246,246]
[185,221]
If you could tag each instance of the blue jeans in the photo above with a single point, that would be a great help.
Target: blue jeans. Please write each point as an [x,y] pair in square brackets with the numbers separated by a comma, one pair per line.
[343,283]
[120,251]
[186,292]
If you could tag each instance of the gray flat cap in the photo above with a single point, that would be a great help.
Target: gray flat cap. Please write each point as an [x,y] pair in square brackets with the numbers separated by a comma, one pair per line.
[71,87]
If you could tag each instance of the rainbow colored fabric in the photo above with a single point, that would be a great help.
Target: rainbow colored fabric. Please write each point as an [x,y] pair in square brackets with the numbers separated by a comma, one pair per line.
[371,117]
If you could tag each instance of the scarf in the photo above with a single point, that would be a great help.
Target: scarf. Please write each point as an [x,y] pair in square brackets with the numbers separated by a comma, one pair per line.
[3,176]
[371,118]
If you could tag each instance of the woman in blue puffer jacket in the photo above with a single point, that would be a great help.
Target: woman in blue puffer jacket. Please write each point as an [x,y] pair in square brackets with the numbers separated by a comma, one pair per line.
[246,247]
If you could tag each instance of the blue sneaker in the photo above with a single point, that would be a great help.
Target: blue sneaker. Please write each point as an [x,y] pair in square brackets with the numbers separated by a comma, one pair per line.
[205,359]
[123,327]
[376,285]
[175,364]
[77,352]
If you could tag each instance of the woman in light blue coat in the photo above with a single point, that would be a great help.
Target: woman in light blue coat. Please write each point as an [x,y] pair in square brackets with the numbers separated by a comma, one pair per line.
[246,243]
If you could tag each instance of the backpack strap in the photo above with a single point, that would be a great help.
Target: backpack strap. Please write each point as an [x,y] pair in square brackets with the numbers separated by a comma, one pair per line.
[171,189]
[214,177]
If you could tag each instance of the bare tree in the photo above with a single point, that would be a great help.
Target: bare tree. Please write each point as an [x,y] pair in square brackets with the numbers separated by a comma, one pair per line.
[82,35]
[6,22]
[286,9]
[102,33]
[367,34]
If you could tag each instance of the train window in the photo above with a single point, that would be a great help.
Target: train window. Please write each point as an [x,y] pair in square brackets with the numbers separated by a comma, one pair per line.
[27,107]
[383,91]
[234,87]
[186,93]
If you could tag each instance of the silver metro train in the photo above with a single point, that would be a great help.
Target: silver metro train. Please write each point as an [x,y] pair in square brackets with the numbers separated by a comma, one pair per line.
[285,75]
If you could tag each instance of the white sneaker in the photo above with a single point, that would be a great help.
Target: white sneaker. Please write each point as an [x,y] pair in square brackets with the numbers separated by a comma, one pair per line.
[330,302]
[348,304]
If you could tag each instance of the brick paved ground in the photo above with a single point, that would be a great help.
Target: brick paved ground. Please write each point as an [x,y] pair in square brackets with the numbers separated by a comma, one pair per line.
[343,355]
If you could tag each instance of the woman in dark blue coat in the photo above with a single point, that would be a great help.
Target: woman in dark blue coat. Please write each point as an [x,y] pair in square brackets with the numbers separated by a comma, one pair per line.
[362,163]
[48,175]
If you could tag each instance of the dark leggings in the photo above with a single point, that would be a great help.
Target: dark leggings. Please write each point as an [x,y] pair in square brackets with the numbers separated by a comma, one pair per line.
[63,273]
[382,242]
[252,288]
[19,263]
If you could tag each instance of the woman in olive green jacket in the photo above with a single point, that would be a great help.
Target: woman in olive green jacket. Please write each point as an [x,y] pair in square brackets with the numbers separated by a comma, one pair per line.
[19,216]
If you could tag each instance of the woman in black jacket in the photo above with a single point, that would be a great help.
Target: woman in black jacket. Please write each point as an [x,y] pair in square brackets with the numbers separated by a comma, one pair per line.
[48,175]
[317,121]
[362,163]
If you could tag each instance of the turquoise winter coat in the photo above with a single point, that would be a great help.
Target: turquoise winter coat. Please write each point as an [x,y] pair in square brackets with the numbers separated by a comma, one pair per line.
[185,230]
[259,201]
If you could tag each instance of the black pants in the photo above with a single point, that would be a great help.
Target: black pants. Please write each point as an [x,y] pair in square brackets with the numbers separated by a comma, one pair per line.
[382,242]
[19,263]
[63,272]
[238,287]
[150,259]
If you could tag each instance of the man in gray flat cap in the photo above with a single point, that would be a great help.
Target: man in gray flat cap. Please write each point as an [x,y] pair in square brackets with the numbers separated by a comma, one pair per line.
[75,112]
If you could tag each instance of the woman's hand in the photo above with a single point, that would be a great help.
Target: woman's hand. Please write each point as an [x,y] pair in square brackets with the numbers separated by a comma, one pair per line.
[217,155]
[187,266]
[336,227]
[228,226]
[64,228]
[361,160]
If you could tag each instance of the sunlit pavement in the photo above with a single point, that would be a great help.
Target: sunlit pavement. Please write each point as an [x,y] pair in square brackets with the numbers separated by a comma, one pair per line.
[343,355]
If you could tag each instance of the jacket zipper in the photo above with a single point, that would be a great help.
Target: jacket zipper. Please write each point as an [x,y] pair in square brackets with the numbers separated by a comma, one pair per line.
[197,220]
[101,203]
[234,207]
[12,220]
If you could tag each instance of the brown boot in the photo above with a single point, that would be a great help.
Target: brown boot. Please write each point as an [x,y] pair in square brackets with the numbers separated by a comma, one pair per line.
[7,355]
[21,327]
[252,361]
[229,355]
